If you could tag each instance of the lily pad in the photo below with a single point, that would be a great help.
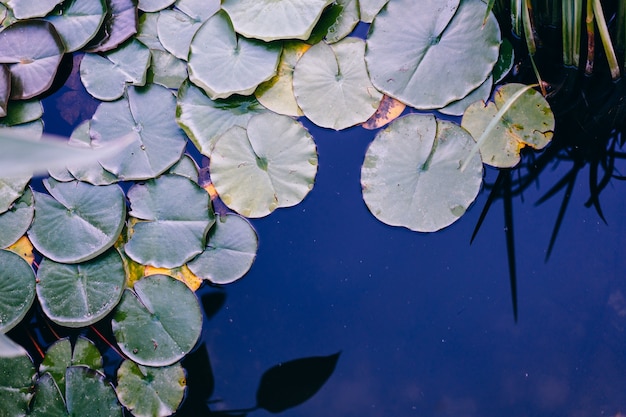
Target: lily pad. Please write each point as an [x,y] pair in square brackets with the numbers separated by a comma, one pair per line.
[337,22]
[186,167]
[119,24]
[77,221]
[21,112]
[78,21]
[150,392]
[270,164]
[411,175]
[11,188]
[270,20]
[482,93]
[5,89]
[166,69]
[17,289]
[81,294]
[506,59]
[370,8]
[388,110]
[33,65]
[204,119]
[147,31]
[159,322]
[171,216]
[48,399]
[29,9]
[223,63]
[277,93]
[17,375]
[15,221]
[332,86]
[527,121]
[438,41]
[153,5]
[91,173]
[88,393]
[106,76]
[146,114]
[231,248]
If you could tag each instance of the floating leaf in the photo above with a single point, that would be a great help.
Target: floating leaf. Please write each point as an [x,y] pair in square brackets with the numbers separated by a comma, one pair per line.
[106,76]
[87,393]
[81,294]
[33,65]
[78,21]
[150,392]
[92,173]
[47,400]
[166,69]
[369,9]
[120,24]
[24,249]
[243,63]
[145,114]
[204,120]
[254,170]
[159,322]
[388,110]
[186,167]
[21,112]
[270,20]
[277,93]
[519,116]
[482,93]
[291,383]
[337,22]
[11,188]
[78,221]
[332,86]
[231,248]
[17,290]
[147,31]
[5,89]
[15,221]
[182,274]
[153,5]
[171,216]
[439,41]
[411,175]
[29,9]
[506,59]
[17,374]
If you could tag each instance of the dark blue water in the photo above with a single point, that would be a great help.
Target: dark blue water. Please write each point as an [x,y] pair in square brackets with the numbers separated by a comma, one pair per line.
[424,321]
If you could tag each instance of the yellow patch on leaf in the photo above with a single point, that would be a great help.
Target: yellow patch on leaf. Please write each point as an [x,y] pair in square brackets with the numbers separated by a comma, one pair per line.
[210,188]
[388,110]
[24,248]
[182,273]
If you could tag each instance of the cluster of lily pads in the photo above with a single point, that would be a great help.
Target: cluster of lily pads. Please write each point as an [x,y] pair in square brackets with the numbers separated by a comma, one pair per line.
[234,78]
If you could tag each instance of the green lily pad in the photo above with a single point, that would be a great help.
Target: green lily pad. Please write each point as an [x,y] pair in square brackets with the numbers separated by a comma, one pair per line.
[270,20]
[153,5]
[106,76]
[171,216]
[482,93]
[159,322]
[146,114]
[33,65]
[204,120]
[48,399]
[186,167]
[79,295]
[17,289]
[528,121]
[243,63]
[5,89]
[119,24]
[92,173]
[17,375]
[177,27]
[15,221]
[506,59]
[368,9]
[11,188]
[77,221]
[337,22]
[412,173]
[270,164]
[60,355]
[150,392]
[439,41]
[231,248]
[78,21]
[21,112]
[29,9]
[147,31]
[87,393]
[277,93]
[332,86]
[166,69]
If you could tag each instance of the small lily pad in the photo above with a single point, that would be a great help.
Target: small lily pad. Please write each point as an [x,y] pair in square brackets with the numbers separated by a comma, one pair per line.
[11,188]
[148,391]
[48,399]
[92,173]
[88,393]
[15,221]
[231,248]
[255,170]
[166,69]
[78,21]
[120,24]
[17,289]
[412,173]
[158,322]
[17,375]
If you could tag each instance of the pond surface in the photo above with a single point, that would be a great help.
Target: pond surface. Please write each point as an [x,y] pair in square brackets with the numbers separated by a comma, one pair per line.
[424,322]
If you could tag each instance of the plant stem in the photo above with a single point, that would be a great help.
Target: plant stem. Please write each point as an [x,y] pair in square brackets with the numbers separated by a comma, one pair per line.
[516,17]
[590,39]
[606,39]
[571,16]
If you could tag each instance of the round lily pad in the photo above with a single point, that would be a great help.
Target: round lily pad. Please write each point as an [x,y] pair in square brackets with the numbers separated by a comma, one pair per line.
[171,216]
[81,294]
[47,399]
[332,86]
[231,248]
[17,289]
[88,393]
[223,63]
[29,9]
[33,65]
[15,222]
[92,173]
[119,24]
[270,20]
[147,115]
[148,391]
[17,375]
[78,21]
[438,40]
[527,121]
[11,188]
[204,120]
[412,173]
[158,322]
[77,221]
[270,164]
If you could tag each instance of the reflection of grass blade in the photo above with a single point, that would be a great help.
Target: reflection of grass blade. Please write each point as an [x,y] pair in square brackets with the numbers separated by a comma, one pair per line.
[570,178]
[494,121]
[495,192]
[22,155]
[510,238]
